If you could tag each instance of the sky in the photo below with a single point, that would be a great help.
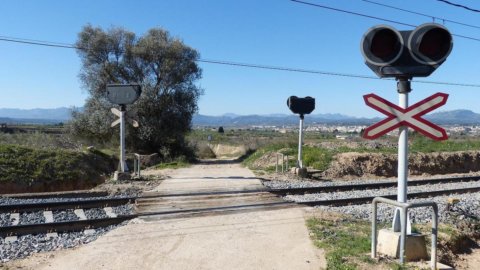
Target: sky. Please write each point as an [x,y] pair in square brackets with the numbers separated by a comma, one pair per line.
[264,32]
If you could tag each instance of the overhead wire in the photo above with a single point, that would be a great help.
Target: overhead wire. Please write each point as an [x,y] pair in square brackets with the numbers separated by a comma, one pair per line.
[458,5]
[422,14]
[372,17]
[237,64]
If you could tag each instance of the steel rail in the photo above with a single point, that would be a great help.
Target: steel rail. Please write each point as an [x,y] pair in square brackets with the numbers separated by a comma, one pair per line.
[84,204]
[63,226]
[296,191]
[322,189]
[57,194]
[369,199]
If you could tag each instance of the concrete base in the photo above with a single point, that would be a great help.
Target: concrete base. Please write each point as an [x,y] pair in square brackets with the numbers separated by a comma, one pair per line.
[389,244]
[440,266]
[121,176]
[302,172]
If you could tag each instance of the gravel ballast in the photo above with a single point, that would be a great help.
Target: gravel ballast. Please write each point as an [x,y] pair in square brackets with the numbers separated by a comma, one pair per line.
[65,215]
[468,206]
[8,200]
[5,219]
[28,244]
[31,218]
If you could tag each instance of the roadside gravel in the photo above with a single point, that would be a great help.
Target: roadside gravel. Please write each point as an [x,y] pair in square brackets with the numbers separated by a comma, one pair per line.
[29,244]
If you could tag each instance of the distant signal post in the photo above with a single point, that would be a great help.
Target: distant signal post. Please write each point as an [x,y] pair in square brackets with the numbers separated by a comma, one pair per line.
[123,94]
[300,106]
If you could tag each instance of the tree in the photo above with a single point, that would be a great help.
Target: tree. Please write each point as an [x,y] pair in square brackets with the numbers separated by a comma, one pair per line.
[220,130]
[165,67]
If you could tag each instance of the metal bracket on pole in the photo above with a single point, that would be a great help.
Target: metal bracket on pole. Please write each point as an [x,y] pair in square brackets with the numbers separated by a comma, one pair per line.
[404,210]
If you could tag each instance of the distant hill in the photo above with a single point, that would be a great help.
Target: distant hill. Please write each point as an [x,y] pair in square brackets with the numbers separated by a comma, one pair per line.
[461,117]
[456,117]
[27,121]
[49,116]
[276,120]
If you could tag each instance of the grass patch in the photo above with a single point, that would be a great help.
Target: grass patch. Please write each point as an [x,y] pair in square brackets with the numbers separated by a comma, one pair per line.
[422,144]
[345,241]
[283,147]
[27,165]
[172,165]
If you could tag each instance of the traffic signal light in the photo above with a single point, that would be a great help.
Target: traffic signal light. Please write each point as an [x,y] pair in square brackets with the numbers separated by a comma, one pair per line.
[301,106]
[417,53]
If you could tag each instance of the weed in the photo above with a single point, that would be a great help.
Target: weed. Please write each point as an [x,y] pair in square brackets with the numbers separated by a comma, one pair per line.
[342,240]
[172,165]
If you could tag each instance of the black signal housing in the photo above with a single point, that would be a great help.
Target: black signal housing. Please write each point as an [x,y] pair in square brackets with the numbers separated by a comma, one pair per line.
[417,53]
[301,106]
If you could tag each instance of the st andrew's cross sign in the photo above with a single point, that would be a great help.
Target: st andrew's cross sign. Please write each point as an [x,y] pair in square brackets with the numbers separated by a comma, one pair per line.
[410,116]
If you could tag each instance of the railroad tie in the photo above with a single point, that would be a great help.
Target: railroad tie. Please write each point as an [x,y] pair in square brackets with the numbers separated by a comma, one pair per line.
[49,219]
[15,218]
[109,212]
[81,216]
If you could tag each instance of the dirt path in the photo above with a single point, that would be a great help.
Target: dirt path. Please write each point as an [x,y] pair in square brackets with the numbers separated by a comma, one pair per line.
[275,239]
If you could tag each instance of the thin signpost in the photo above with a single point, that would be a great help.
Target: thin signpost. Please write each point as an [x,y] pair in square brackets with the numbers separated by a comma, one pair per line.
[301,106]
[123,94]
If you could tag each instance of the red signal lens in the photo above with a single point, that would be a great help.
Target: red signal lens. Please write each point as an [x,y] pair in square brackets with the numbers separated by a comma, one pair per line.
[435,43]
[385,44]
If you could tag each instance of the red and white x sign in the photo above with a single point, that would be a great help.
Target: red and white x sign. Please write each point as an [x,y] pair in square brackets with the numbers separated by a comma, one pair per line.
[411,116]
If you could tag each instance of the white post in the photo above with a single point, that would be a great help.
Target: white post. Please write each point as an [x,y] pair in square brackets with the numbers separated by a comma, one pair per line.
[300,143]
[403,86]
[123,165]
[402,154]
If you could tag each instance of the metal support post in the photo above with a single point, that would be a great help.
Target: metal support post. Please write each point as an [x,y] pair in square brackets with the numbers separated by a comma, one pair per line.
[137,165]
[404,210]
[123,164]
[286,165]
[276,164]
[300,143]
[403,88]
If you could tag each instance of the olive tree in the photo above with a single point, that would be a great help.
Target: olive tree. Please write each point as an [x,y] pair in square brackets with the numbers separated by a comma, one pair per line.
[166,69]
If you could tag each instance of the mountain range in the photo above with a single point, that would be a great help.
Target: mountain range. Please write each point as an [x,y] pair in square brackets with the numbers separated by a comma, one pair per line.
[48,116]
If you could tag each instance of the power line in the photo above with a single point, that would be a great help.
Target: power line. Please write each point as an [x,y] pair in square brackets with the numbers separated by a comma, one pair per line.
[237,64]
[37,42]
[422,14]
[328,73]
[352,13]
[371,17]
[458,5]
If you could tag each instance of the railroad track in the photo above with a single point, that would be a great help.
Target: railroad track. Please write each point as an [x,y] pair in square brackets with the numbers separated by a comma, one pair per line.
[175,205]
[167,205]
[322,189]
[50,225]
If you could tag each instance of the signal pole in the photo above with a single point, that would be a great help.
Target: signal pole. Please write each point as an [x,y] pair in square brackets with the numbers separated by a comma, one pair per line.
[123,162]
[300,143]
[403,88]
